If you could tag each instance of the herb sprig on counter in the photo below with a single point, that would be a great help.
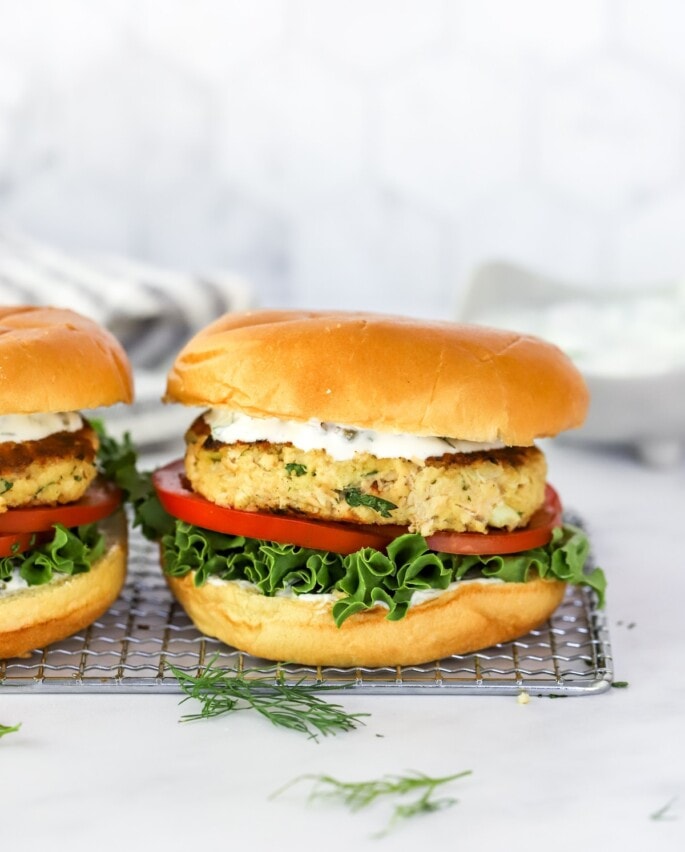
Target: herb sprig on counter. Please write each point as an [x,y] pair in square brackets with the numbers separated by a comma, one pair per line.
[296,706]
[9,729]
[357,795]
[664,813]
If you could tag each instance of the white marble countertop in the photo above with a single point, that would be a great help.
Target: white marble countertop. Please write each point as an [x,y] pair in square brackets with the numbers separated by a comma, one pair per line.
[116,771]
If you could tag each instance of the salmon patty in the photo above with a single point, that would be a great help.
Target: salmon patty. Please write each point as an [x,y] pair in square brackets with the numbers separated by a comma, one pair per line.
[462,492]
[52,470]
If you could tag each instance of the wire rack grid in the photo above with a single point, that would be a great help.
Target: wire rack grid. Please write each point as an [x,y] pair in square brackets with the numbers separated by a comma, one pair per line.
[132,648]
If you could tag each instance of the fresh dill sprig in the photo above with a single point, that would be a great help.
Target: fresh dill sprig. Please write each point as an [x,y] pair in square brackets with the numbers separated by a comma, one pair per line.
[9,729]
[664,813]
[296,706]
[357,795]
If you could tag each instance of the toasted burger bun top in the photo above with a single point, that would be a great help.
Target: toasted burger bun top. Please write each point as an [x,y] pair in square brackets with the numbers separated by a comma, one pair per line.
[53,359]
[384,373]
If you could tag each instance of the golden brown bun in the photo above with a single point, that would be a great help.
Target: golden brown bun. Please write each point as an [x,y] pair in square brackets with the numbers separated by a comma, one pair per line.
[36,616]
[384,373]
[465,619]
[53,359]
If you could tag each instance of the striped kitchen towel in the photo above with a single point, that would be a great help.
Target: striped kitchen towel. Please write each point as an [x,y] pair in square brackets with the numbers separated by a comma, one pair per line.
[152,311]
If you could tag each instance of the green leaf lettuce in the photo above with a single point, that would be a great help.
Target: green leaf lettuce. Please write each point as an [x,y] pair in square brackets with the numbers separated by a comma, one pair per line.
[71,551]
[368,577]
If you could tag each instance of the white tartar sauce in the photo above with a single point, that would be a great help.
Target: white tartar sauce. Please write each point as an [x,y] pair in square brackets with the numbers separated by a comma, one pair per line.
[417,598]
[340,442]
[14,584]
[17,428]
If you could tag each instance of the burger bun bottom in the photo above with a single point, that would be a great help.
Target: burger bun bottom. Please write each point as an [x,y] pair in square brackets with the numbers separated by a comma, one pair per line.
[471,616]
[39,615]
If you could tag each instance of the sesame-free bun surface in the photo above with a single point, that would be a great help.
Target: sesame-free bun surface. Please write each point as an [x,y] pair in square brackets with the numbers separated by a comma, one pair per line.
[39,615]
[461,620]
[385,373]
[53,359]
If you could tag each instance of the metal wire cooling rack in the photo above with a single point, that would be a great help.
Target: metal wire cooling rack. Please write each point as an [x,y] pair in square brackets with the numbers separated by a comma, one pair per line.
[130,649]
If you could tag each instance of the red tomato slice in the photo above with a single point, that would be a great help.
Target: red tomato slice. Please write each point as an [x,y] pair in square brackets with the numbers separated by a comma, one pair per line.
[100,500]
[13,543]
[183,503]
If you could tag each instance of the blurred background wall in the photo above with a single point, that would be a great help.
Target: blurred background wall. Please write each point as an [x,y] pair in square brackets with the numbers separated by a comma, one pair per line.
[353,154]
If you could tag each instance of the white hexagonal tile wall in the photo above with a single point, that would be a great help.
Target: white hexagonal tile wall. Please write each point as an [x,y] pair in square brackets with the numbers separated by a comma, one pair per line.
[14,93]
[609,133]
[358,147]
[241,235]
[370,37]
[59,42]
[554,32]
[653,30]
[650,245]
[290,132]
[535,228]
[108,158]
[371,250]
[210,37]
[452,129]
